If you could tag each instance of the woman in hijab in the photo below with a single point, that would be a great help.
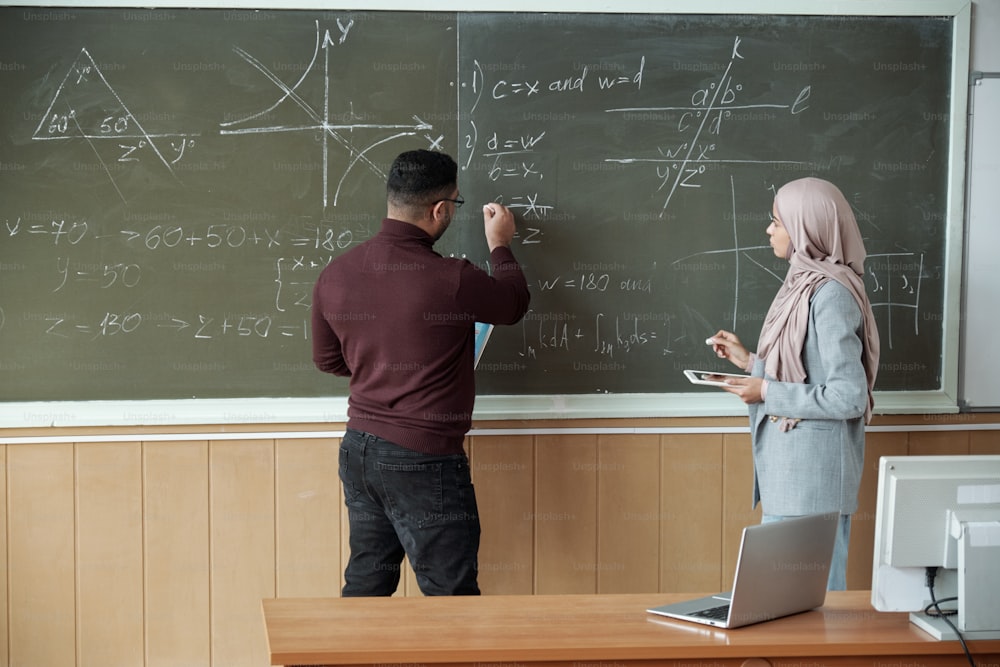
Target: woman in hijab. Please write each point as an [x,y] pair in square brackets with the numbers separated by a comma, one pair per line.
[810,390]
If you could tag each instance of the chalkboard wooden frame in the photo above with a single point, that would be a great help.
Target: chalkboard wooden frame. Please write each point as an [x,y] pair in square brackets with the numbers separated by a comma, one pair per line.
[622,405]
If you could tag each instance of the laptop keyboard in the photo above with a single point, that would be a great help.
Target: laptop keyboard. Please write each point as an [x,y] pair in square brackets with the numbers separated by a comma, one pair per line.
[719,613]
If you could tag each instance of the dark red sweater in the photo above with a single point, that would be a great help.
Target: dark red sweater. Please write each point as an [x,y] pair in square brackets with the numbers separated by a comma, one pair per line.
[398,318]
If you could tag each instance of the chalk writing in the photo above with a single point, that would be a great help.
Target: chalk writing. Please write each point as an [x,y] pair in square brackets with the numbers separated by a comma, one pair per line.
[335,135]
[680,165]
[171,193]
[63,120]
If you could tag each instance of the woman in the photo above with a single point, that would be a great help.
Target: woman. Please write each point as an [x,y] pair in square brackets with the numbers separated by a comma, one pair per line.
[810,390]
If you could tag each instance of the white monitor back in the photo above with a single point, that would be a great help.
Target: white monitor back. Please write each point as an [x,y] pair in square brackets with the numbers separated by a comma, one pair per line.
[916,497]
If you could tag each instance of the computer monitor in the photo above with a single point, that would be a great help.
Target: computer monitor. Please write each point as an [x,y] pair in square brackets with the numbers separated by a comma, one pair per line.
[939,512]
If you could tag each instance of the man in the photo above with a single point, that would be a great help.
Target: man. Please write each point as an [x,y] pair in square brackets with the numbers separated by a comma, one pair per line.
[398,319]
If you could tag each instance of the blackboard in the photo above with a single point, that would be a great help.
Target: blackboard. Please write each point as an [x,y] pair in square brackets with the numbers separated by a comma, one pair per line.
[173,180]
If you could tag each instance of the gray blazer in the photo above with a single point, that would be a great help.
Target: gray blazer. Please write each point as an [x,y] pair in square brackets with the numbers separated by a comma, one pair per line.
[816,466]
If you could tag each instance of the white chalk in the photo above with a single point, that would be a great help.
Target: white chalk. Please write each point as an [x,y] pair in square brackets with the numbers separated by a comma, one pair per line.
[709,341]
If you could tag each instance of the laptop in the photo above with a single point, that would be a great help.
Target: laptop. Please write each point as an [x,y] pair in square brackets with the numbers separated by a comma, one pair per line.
[782,569]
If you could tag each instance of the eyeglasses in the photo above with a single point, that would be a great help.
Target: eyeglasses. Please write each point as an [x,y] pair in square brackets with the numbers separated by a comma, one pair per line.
[457,202]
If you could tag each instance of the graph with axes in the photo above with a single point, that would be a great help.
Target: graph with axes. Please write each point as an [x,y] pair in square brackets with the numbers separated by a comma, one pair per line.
[116,136]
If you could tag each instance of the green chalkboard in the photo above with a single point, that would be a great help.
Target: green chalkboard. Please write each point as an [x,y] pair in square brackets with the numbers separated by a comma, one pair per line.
[173,180]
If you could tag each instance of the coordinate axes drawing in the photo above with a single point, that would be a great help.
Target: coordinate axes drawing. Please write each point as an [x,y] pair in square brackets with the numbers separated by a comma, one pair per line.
[73,114]
[341,134]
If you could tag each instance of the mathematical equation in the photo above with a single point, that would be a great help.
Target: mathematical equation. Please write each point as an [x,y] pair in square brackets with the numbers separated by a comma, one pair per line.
[292,276]
[192,193]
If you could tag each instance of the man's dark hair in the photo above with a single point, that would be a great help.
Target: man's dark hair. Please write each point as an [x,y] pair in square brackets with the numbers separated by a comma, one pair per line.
[419,178]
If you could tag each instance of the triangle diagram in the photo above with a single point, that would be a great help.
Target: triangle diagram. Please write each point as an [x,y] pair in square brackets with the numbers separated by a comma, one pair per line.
[85,106]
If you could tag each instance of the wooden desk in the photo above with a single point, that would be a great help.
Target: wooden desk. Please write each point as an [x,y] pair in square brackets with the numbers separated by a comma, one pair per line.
[588,630]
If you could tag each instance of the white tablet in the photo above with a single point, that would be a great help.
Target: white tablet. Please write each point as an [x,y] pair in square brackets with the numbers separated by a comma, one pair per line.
[702,377]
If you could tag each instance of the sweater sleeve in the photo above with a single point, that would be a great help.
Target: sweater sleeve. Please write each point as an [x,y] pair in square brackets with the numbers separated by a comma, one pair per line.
[327,351]
[500,298]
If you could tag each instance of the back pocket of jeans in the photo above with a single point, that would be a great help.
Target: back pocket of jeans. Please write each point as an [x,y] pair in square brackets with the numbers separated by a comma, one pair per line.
[412,491]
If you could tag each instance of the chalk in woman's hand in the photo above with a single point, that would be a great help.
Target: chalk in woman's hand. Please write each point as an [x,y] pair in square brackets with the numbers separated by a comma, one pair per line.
[709,341]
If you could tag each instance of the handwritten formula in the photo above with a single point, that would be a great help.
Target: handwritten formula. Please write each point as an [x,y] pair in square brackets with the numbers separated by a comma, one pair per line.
[169,196]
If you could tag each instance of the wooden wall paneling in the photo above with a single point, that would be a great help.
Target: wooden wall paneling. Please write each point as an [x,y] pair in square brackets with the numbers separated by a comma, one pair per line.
[158,553]
[565,514]
[4,636]
[860,551]
[737,499]
[41,555]
[628,508]
[109,554]
[241,479]
[984,442]
[503,472]
[692,481]
[307,502]
[929,443]
[177,572]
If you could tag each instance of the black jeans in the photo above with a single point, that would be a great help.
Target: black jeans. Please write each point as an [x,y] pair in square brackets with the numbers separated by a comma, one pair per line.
[403,502]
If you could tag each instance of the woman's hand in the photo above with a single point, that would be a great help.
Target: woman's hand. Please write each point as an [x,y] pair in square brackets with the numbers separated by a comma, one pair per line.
[728,346]
[748,389]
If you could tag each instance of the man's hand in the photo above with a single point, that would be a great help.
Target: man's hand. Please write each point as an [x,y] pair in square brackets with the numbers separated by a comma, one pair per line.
[499,224]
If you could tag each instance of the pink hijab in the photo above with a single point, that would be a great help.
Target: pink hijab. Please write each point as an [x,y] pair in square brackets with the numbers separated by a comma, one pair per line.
[826,244]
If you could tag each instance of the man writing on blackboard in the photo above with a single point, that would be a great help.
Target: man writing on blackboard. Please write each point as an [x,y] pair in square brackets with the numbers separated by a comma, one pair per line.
[398,318]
